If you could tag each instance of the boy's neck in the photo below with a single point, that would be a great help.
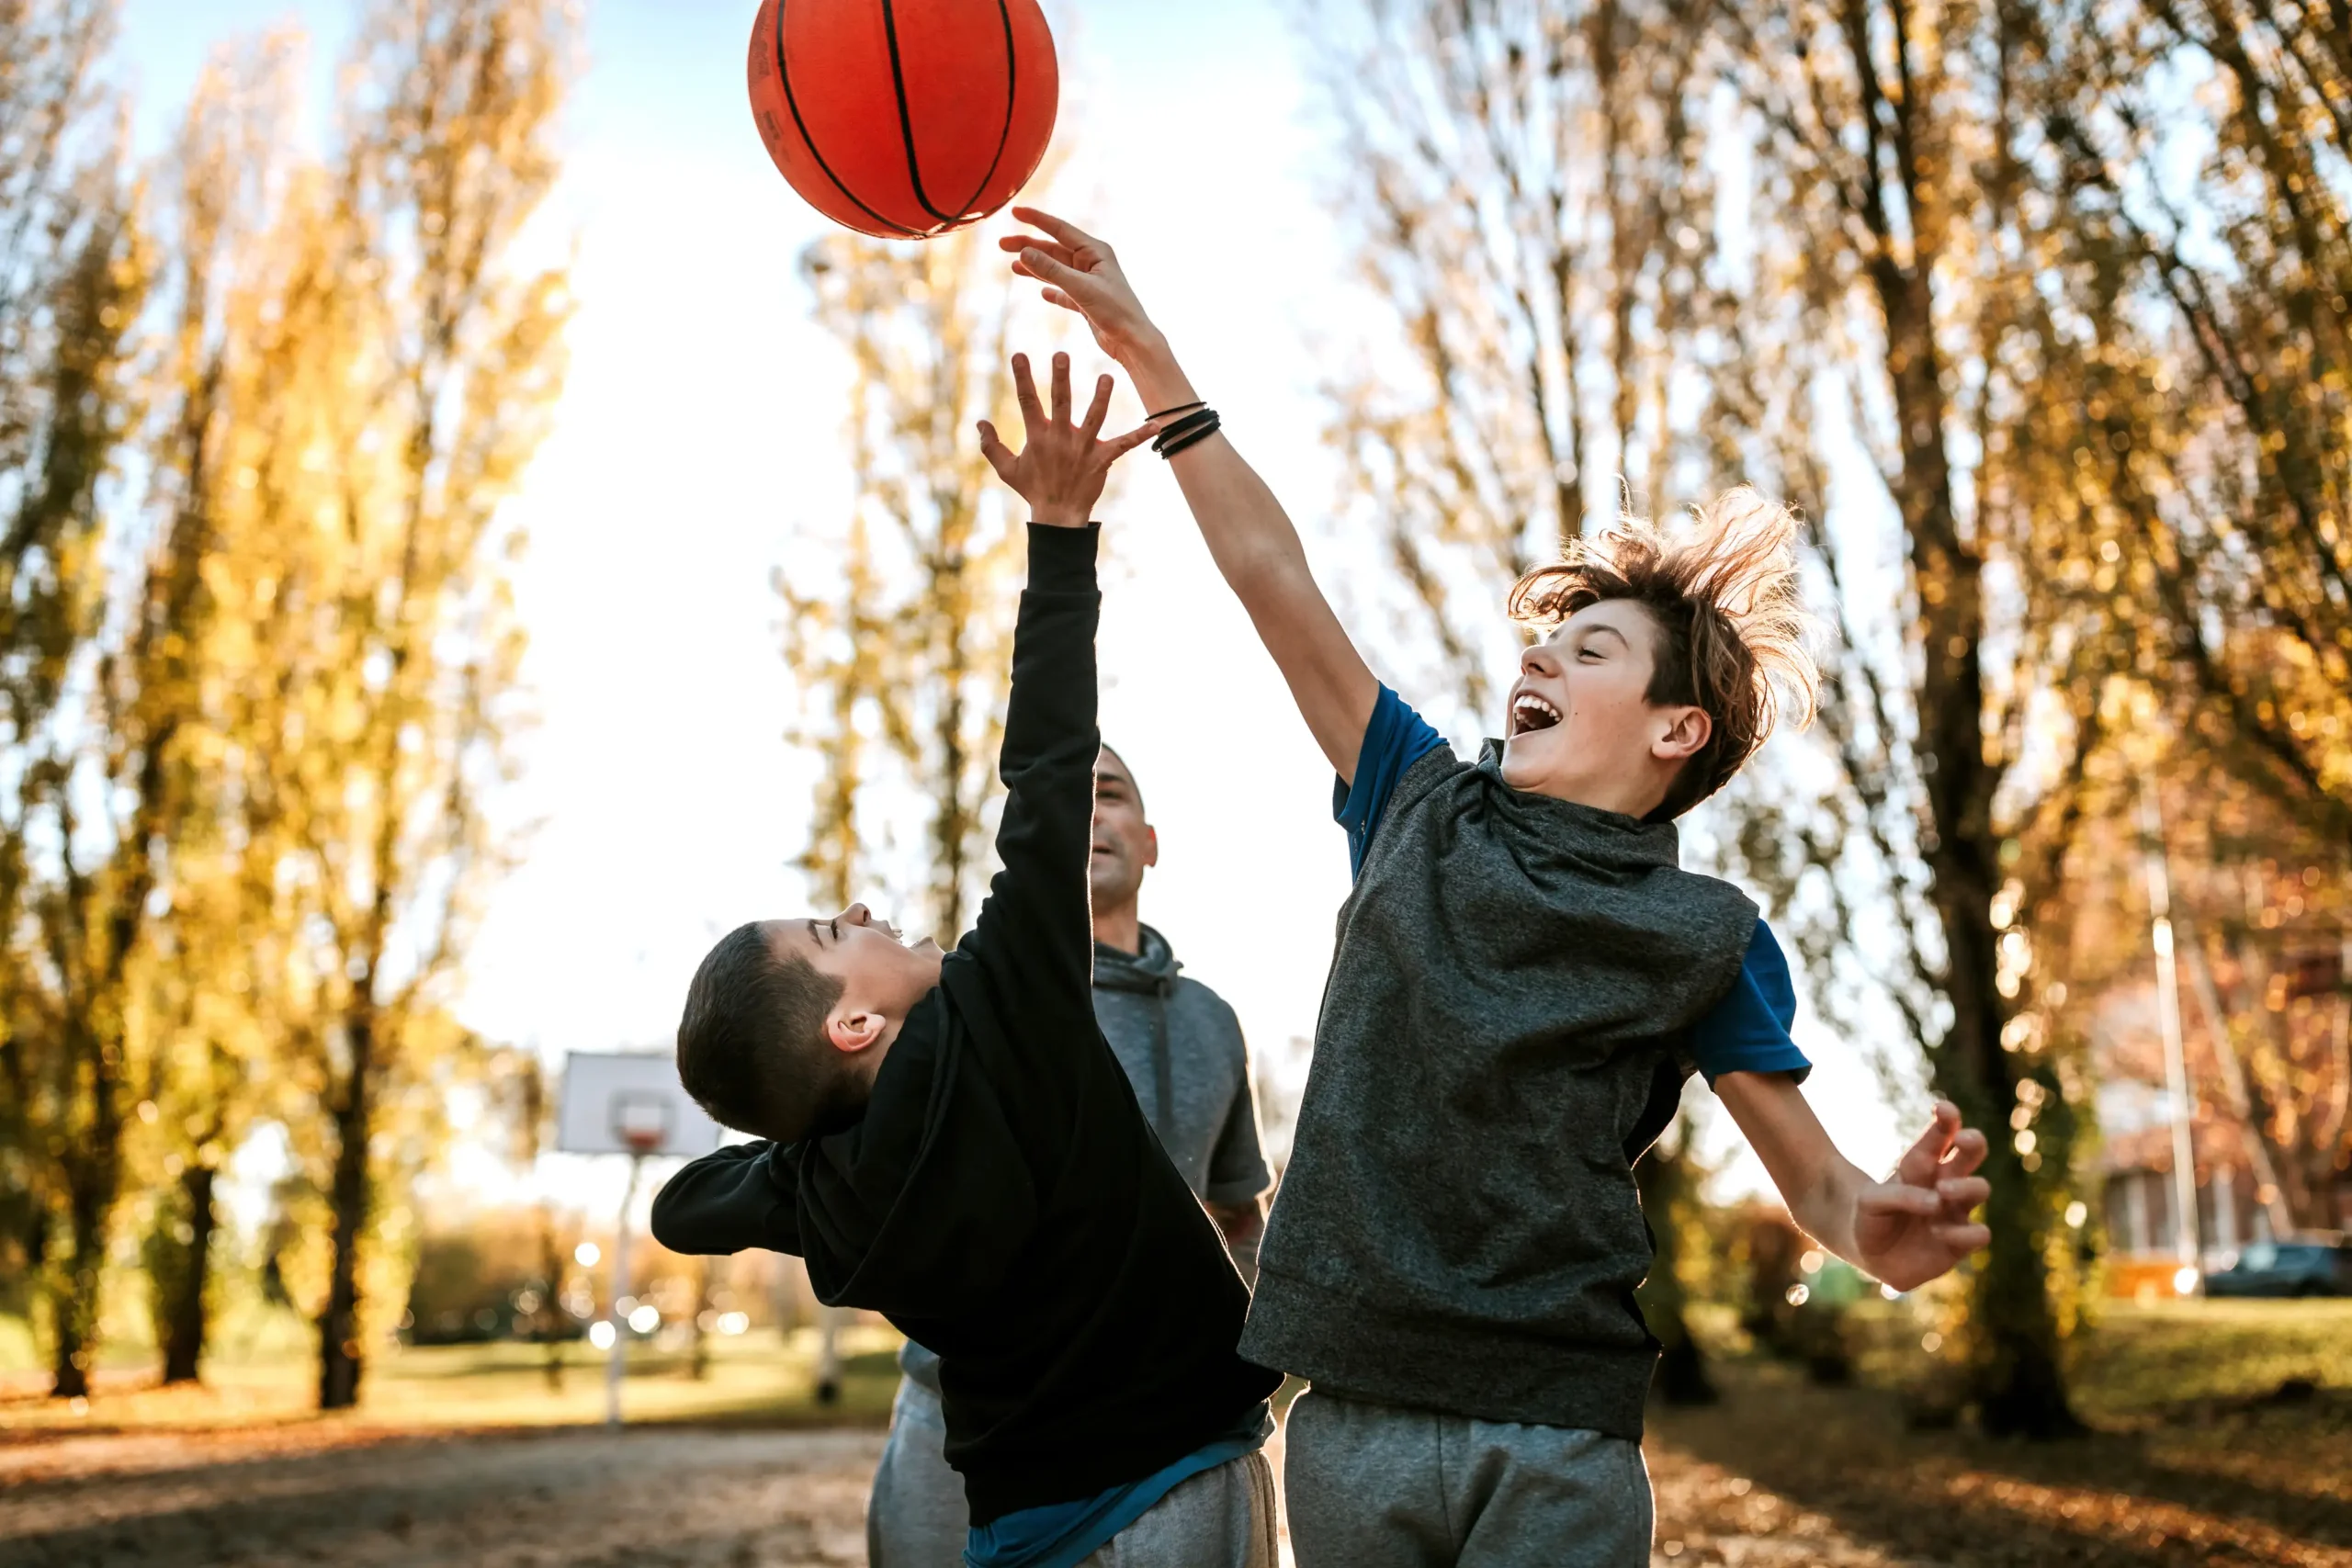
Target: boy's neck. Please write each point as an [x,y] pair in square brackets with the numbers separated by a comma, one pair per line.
[1120,927]
[1634,802]
[1634,797]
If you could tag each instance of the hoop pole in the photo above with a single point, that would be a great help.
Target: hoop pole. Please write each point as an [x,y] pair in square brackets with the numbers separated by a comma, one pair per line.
[613,1314]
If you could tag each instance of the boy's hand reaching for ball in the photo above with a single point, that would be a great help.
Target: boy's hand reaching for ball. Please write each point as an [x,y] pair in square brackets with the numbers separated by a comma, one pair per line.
[1080,273]
[1916,1227]
[1061,469]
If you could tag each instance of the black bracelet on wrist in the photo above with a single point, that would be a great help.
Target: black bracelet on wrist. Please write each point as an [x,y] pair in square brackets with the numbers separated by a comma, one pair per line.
[1191,422]
[1180,408]
[1188,435]
[1192,440]
[1194,426]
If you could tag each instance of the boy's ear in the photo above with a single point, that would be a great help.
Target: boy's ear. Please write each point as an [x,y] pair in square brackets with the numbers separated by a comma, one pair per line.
[1684,734]
[1150,845]
[850,1031]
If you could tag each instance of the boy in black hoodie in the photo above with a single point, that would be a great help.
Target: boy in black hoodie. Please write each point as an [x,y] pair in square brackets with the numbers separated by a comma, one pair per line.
[951,1143]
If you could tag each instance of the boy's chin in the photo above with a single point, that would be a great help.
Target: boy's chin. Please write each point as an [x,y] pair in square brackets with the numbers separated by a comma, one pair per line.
[1530,760]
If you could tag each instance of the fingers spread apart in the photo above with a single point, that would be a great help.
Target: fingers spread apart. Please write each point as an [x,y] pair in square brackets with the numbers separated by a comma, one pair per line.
[1122,445]
[999,455]
[1098,410]
[1025,391]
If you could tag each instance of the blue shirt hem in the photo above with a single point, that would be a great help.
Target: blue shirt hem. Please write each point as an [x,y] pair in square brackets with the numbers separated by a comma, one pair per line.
[1061,1535]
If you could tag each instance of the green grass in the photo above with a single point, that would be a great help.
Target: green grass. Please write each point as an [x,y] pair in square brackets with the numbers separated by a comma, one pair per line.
[2141,1361]
[2137,1365]
[760,1378]
[2132,1365]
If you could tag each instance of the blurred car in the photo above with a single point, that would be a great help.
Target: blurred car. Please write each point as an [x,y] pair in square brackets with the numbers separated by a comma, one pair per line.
[2287,1269]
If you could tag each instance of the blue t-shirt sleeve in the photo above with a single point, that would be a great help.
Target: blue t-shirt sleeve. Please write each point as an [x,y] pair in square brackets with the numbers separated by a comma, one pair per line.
[1395,740]
[1747,1031]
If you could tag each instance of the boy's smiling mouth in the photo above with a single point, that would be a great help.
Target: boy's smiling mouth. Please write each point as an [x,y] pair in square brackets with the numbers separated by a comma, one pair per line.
[1529,713]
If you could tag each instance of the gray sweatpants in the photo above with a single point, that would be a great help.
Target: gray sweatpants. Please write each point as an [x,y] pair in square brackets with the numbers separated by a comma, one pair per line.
[1378,1486]
[916,1517]
[1220,1518]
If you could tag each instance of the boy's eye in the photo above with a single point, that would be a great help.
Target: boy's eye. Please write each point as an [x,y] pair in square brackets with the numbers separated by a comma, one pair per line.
[836,923]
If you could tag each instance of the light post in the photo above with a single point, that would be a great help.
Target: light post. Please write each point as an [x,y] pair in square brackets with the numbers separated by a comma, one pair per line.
[2188,1280]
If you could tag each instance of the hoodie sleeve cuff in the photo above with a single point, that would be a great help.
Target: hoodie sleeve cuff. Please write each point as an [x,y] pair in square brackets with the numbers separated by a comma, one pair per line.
[1062,560]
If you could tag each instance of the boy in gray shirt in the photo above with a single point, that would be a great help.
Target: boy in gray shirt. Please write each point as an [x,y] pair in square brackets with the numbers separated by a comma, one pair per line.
[1183,1050]
[1524,978]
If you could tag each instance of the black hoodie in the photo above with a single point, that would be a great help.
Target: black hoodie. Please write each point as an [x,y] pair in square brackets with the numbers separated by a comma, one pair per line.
[1004,1201]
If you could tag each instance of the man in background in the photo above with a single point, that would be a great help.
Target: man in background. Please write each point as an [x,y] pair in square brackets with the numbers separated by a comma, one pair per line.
[1183,1050]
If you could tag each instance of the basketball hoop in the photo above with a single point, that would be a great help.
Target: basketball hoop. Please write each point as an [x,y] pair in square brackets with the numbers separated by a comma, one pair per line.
[627,1103]
[641,1123]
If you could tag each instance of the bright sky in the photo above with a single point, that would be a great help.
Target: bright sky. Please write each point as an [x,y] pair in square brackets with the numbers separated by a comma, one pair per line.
[699,437]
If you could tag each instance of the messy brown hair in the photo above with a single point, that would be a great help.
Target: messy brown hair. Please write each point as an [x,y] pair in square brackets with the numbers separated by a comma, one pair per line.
[1734,637]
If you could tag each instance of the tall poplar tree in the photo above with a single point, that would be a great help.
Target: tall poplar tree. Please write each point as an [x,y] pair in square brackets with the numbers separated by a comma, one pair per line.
[74,271]
[209,1068]
[417,359]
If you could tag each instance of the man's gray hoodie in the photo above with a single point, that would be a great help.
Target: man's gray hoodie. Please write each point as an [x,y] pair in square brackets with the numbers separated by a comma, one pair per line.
[1182,1047]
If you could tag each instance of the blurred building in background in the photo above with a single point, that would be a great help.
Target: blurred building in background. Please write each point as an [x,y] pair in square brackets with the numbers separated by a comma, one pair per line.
[2239,1204]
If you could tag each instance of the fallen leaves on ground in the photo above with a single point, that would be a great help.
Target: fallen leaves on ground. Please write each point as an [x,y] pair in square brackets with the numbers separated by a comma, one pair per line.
[1783,1471]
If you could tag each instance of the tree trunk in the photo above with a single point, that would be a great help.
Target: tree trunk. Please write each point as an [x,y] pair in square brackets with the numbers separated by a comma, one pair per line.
[2020,1387]
[341,1361]
[700,1362]
[183,1311]
[90,1192]
[93,1175]
[550,1313]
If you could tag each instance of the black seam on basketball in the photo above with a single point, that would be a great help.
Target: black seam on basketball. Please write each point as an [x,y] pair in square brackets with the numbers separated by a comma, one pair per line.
[1011,94]
[784,74]
[905,115]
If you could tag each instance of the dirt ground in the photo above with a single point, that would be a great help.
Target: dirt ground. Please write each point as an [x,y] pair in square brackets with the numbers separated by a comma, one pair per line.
[659,1497]
[646,1498]
[671,1499]
[1778,1475]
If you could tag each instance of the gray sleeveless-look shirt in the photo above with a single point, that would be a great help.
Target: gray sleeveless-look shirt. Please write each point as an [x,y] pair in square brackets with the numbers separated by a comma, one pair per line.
[1502,1034]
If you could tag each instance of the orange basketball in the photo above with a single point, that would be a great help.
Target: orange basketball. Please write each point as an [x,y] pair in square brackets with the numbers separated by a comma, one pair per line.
[904,118]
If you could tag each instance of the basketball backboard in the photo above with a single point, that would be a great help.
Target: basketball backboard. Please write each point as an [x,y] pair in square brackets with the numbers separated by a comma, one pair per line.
[629,1103]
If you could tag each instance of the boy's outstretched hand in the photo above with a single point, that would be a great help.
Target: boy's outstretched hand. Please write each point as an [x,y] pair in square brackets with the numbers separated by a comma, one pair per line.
[1061,469]
[1080,273]
[1915,1227]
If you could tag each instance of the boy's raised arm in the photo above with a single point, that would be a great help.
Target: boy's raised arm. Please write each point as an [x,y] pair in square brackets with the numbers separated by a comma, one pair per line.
[1247,533]
[1035,917]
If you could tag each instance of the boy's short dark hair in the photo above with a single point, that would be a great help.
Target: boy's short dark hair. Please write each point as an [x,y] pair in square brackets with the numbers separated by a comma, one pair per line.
[1734,637]
[752,1046]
